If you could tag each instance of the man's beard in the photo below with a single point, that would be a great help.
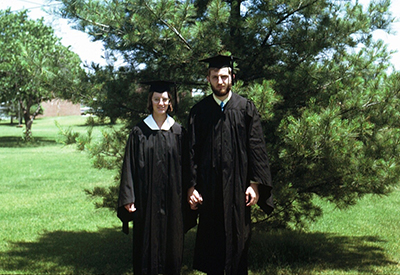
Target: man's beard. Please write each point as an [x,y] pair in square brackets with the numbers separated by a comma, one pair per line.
[221,92]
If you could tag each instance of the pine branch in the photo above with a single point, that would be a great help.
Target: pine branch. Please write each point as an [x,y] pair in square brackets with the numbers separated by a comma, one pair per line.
[170,26]
[299,8]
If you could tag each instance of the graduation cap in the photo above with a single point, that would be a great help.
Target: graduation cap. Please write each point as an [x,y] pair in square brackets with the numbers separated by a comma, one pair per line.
[221,61]
[125,216]
[159,86]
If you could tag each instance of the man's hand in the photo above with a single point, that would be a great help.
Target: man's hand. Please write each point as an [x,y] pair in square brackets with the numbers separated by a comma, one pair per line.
[252,194]
[194,198]
[130,207]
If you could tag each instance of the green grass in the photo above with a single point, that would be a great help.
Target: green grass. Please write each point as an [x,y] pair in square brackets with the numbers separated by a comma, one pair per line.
[364,239]
[47,223]
[49,226]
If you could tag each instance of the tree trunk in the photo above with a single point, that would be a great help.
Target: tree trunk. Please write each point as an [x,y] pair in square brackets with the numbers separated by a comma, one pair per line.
[235,25]
[28,117]
[25,110]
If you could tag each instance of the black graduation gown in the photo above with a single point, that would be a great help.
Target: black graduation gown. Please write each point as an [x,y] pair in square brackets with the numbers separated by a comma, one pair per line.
[227,151]
[152,179]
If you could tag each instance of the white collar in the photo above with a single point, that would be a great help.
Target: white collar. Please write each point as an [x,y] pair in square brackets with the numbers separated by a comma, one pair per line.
[226,99]
[153,125]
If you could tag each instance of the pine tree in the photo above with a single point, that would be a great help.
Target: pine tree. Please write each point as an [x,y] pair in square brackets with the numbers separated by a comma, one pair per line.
[318,78]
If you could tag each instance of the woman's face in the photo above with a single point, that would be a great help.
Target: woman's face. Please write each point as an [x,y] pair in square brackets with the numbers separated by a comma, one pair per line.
[160,103]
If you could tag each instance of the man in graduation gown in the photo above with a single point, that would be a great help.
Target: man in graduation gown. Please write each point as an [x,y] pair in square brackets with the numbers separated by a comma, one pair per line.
[229,172]
[151,187]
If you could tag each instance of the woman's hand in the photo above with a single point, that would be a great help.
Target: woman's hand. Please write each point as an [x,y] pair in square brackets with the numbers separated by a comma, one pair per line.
[194,198]
[130,207]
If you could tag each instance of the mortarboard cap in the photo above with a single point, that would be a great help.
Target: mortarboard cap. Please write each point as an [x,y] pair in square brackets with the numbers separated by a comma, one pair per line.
[220,61]
[159,86]
[125,216]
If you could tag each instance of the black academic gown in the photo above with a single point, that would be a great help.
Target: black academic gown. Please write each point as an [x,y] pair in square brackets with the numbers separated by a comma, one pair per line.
[227,151]
[152,179]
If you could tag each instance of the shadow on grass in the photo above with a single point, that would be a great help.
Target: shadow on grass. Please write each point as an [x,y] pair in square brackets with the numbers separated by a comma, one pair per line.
[108,251]
[17,142]
[285,252]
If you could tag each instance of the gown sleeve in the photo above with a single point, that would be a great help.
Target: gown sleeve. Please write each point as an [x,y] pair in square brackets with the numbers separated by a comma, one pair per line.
[190,142]
[258,159]
[126,192]
[189,177]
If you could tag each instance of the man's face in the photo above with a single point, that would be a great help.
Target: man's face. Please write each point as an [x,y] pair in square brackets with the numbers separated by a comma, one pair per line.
[220,80]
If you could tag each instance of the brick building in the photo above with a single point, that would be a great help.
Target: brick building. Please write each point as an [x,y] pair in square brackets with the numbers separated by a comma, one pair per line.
[59,107]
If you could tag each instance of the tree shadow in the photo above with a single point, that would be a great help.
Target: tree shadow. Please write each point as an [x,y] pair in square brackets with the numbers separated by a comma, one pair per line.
[305,253]
[109,251]
[17,142]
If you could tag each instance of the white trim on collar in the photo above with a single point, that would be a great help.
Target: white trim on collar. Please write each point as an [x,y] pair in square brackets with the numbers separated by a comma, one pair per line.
[153,125]
[226,99]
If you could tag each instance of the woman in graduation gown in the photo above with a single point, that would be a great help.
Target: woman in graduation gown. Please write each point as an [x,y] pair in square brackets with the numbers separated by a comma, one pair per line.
[151,187]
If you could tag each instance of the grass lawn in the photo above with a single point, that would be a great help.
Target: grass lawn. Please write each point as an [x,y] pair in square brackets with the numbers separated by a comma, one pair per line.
[48,225]
[364,239]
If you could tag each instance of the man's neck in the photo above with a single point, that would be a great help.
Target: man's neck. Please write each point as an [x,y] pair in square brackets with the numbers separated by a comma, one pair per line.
[222,98]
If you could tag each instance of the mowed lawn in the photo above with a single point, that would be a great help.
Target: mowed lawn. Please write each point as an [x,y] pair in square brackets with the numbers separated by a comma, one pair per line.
[47,223]
[49,226]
